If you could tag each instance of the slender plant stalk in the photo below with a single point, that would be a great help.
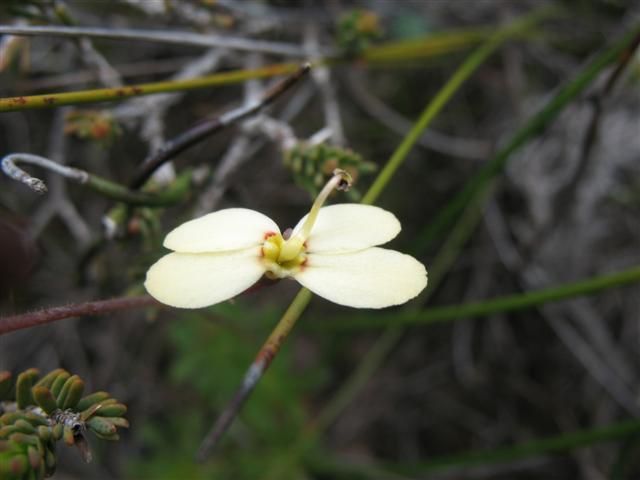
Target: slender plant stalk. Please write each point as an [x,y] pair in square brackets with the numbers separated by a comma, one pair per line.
[428,46]
[121,93]
[508,303]
[301,301]
[443,96]
[536,448]
[253,375]
[52,314]
[535,126]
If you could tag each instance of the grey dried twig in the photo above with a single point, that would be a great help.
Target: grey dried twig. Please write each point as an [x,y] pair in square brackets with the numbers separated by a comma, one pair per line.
[164,36]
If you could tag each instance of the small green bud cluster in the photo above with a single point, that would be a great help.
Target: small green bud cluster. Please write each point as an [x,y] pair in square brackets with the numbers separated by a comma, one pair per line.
[313,165]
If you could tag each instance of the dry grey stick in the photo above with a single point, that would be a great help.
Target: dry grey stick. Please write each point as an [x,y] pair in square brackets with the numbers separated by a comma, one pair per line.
[164,36]
[322,77]
[108,75]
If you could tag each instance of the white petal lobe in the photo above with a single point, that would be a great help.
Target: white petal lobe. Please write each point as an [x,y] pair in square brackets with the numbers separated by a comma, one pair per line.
[371,278]
[348,227]
[194,280]
[229,229]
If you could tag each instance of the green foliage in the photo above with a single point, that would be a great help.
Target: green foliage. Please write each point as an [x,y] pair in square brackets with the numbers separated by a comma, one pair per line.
[210,359]
[313,165]
[35,413]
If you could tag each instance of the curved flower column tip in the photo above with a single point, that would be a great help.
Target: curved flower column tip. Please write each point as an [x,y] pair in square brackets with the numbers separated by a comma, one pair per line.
[332,251]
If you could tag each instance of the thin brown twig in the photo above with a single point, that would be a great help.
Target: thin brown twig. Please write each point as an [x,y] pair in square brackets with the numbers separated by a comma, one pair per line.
[53,314]
[208,127]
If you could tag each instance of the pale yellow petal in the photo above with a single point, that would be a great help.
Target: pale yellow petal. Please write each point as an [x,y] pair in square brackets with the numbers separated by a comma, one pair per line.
[370,278]
[348,227]
[230,229]
[194,280]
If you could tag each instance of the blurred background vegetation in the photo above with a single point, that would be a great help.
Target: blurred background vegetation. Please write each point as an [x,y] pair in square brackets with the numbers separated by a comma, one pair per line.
[549,391]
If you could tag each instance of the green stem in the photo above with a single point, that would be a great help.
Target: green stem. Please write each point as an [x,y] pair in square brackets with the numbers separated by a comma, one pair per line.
[434,107]
[120,93]
[549,445]
[532,128]
[508,303]
[173,194]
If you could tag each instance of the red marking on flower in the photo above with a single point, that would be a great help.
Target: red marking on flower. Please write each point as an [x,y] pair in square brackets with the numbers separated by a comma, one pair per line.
[18,101]
[269,234]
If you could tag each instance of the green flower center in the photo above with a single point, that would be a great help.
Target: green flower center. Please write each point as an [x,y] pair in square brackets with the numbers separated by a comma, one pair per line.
[283,258]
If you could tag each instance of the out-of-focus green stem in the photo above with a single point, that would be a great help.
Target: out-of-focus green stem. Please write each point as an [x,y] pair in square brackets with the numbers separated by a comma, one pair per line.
[507,303]
[535,448]
[435,44]
[558,443]
[171,195]
[532,128]
[434,107]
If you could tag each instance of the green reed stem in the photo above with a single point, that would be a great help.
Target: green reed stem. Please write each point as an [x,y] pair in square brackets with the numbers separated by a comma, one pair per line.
[508,303]
[545,446]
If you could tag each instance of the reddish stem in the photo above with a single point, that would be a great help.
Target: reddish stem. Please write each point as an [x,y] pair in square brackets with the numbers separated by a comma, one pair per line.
[52,314]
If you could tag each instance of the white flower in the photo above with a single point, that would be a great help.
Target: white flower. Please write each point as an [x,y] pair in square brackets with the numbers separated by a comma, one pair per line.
[331,251]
